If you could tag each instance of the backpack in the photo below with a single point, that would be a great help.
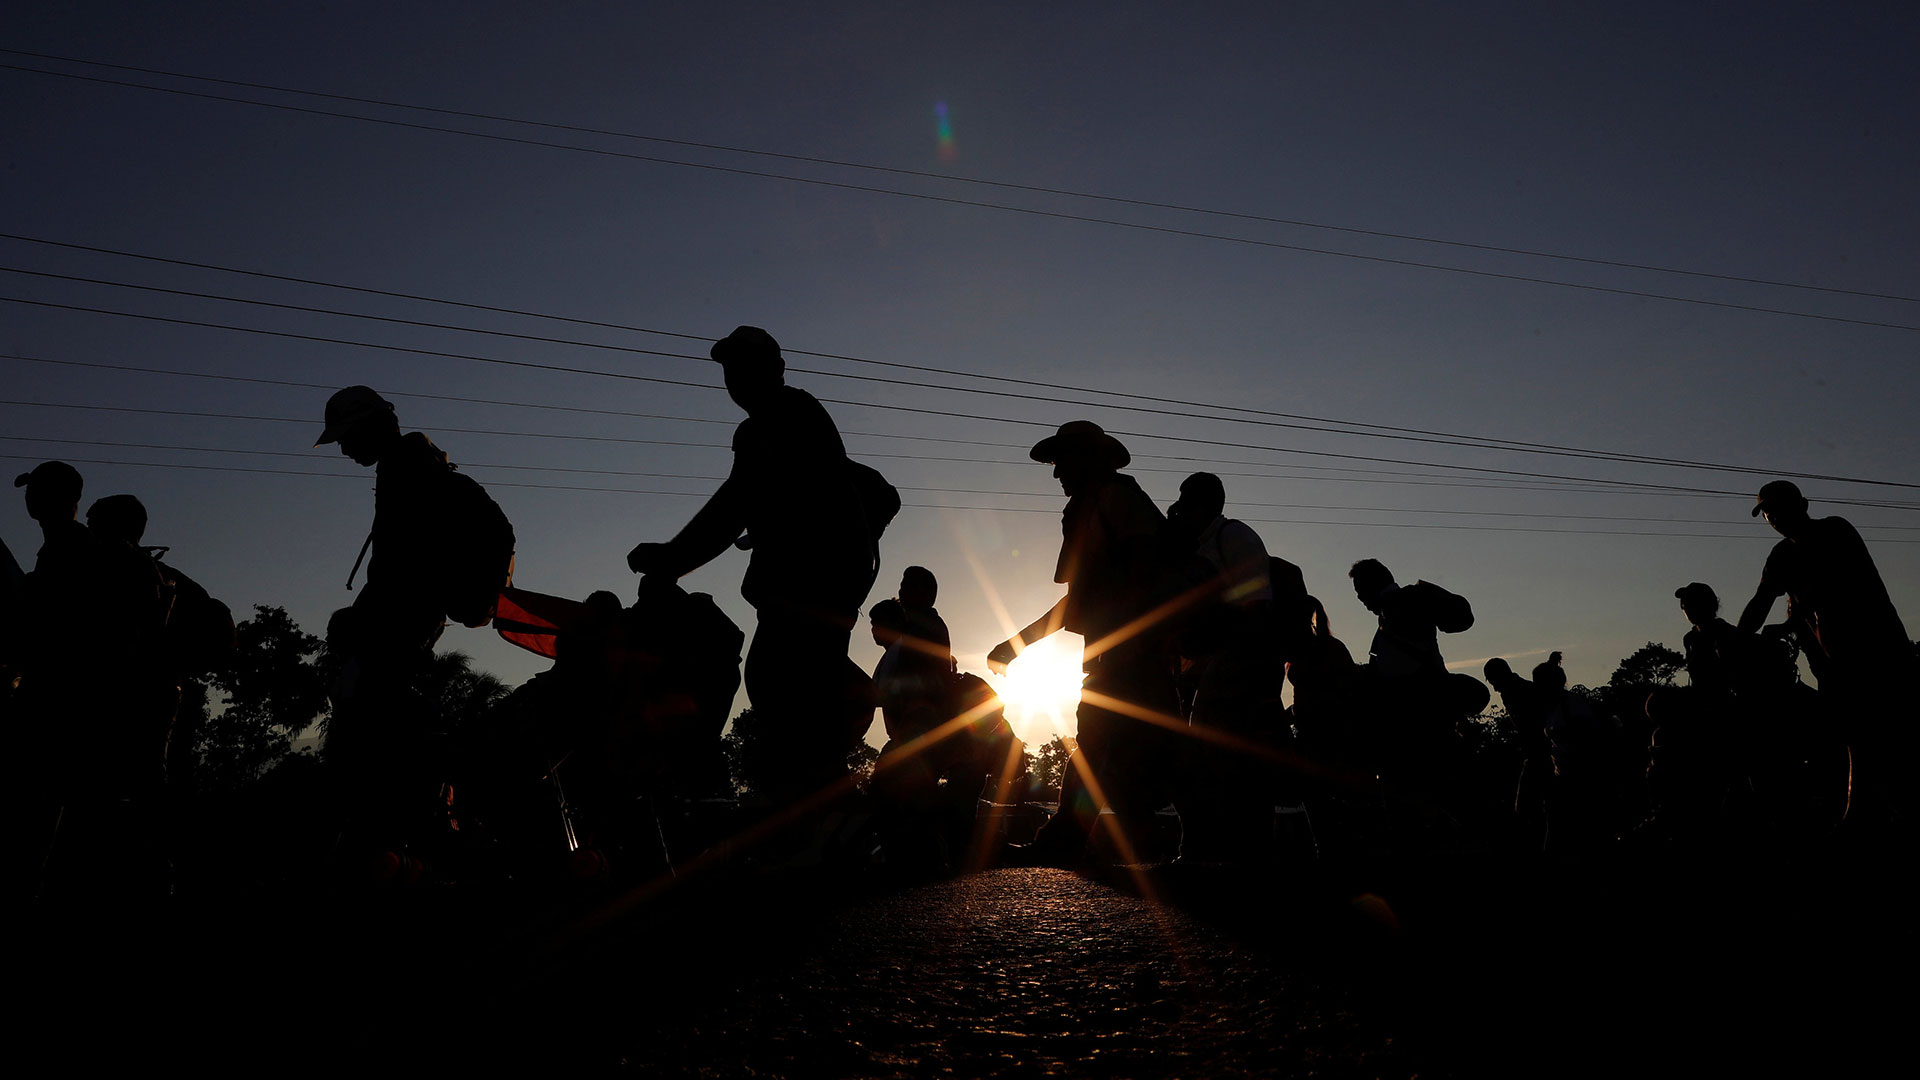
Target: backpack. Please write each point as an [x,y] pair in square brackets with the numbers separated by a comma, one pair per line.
[477,561]
[879,499]
[1450,611]
[199,634]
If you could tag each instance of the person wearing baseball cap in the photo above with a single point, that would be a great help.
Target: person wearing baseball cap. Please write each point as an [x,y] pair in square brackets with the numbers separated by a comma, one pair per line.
[53,491]
[1112,561]
[807,514]
[376,744]
[1855,642]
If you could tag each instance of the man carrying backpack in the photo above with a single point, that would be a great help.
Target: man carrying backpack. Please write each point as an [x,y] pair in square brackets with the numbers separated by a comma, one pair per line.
[812,519]
[1406,678]
[439,547]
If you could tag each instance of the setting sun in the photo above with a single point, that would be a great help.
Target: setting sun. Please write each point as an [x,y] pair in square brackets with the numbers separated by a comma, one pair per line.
[1041,688]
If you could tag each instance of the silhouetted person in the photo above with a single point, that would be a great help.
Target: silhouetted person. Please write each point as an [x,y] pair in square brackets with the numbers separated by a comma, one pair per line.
[1113,561]
[54,704]
[918,591]
[813,527]
[1407,643]
[1854,640]
[1413,711]
[1527,707]
[94,692]
[1322,672]
[1580,799]
[914,676]
[940,724]
[1720,658]
[1232,680]
[434,534]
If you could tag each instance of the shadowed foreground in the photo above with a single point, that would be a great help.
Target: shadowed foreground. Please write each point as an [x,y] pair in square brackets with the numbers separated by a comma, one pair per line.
[1450,968]
[1014,972]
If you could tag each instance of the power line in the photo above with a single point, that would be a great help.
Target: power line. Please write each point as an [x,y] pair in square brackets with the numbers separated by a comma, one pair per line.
[412,350]
[545,339]
[1494,485]
[975,181]
[625,327]
[1006,207]
[1366,429]
[941,506]
[1149,410]
[1235,503]
[1508,485]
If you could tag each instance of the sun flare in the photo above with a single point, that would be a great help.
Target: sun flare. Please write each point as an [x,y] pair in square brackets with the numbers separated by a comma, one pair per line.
[1041,688]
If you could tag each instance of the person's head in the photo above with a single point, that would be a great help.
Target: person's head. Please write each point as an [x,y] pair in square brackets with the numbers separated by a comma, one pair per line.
[1785,508]
[751,364]
[1550,675]
[889,622]
[1497,669]
[362,422]
[1202,498]
[1371,581]
[1322,628]
[1698,603]
[1080,453]
[118,517]
[918,587]
[53,491]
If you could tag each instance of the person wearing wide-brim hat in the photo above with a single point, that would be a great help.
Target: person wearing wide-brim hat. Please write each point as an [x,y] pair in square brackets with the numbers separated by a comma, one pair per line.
[1112,561]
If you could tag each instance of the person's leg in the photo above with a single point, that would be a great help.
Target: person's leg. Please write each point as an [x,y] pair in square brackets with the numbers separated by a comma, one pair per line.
[814,703]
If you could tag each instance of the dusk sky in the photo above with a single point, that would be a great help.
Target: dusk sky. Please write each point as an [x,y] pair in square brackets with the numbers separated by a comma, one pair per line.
[1776,144]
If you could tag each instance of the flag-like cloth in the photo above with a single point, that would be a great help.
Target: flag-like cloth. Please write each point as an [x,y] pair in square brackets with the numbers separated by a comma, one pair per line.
[534,620]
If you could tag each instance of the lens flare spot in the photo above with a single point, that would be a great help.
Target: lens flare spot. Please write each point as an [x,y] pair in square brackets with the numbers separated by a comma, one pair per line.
[944,132]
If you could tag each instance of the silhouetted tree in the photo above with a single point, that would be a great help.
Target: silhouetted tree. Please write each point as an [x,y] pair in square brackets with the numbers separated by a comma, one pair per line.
[1652,664]
[1049,766]
[749,755]
[272,688]
[1650,667]
[462,694]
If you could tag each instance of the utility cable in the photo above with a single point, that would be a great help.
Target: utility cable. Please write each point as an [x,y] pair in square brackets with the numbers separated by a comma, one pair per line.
[1235,503]
[1005,185]
[860,404]
[1579,454]
[1494,441]
[942,506]
[1005,207]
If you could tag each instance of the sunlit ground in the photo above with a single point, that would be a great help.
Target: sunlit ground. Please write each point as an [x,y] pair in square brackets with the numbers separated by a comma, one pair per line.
[1041,688]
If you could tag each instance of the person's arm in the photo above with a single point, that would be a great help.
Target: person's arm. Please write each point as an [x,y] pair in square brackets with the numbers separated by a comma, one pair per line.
[716,526]
[1003,653]
[1755,614]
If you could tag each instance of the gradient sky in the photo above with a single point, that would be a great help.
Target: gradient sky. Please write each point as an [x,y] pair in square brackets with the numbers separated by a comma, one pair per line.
[1763,142]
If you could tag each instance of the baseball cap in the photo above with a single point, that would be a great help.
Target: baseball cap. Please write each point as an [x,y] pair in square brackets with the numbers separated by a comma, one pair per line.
[350,407]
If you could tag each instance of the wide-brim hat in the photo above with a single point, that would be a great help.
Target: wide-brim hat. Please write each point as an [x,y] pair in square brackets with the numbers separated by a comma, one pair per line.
[1081,440]
[1775,494]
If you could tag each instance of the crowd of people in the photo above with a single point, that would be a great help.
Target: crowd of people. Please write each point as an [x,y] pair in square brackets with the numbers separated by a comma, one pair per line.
[1192,631]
